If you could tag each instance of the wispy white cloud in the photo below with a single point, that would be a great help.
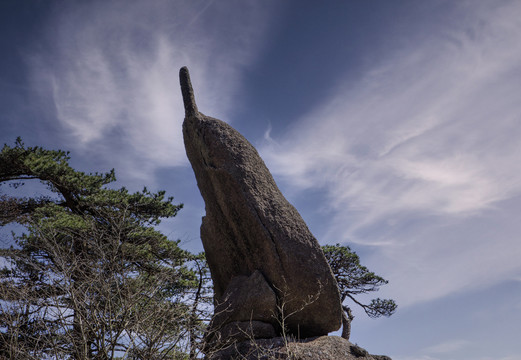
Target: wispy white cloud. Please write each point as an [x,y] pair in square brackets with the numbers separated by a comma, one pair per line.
[112,68]
[416,357]
[420,153]
[447,347]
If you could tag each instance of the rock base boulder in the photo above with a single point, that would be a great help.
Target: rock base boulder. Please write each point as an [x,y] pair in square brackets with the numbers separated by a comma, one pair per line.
[238,331]
[320,348]
[247,310]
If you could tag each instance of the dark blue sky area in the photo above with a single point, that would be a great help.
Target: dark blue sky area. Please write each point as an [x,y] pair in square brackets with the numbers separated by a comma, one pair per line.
[21,26]
[313,49]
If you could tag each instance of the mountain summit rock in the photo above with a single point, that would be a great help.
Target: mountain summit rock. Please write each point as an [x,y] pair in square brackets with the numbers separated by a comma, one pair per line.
[266,266]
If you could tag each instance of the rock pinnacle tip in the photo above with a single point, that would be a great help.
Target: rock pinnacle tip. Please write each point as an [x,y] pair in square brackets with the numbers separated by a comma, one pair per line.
[188,92]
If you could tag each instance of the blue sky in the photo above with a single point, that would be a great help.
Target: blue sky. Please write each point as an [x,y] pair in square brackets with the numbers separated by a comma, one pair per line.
[393,127]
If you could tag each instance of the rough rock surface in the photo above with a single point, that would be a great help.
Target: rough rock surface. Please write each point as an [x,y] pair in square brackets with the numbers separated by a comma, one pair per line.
[250,226]
[247,298]
[248,310]
[321,348]
[238,331]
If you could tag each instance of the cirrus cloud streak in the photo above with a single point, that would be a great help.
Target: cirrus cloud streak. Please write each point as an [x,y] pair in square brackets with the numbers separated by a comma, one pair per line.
[113,73]
[419,153]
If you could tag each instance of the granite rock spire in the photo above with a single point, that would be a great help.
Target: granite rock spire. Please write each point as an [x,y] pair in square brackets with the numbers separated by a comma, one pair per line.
[251,232]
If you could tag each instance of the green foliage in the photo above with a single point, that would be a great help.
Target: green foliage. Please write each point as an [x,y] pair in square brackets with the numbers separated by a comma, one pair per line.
[381,307]
[90,277]
[354,279]
[79,192]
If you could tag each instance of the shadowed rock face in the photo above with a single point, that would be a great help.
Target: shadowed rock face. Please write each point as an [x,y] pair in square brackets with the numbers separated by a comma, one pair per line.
[250,226]
[246,311]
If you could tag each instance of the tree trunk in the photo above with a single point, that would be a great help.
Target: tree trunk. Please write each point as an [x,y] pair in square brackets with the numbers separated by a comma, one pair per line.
[193,317]
[347,317]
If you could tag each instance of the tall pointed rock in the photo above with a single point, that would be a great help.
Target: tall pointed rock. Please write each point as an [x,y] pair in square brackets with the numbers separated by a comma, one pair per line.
[249,226]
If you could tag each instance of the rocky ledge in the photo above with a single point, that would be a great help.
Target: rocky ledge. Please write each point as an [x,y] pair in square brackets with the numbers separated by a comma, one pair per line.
[318,348]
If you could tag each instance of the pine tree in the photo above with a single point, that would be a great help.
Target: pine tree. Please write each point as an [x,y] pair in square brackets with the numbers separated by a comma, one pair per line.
[354,279]
[90,277]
